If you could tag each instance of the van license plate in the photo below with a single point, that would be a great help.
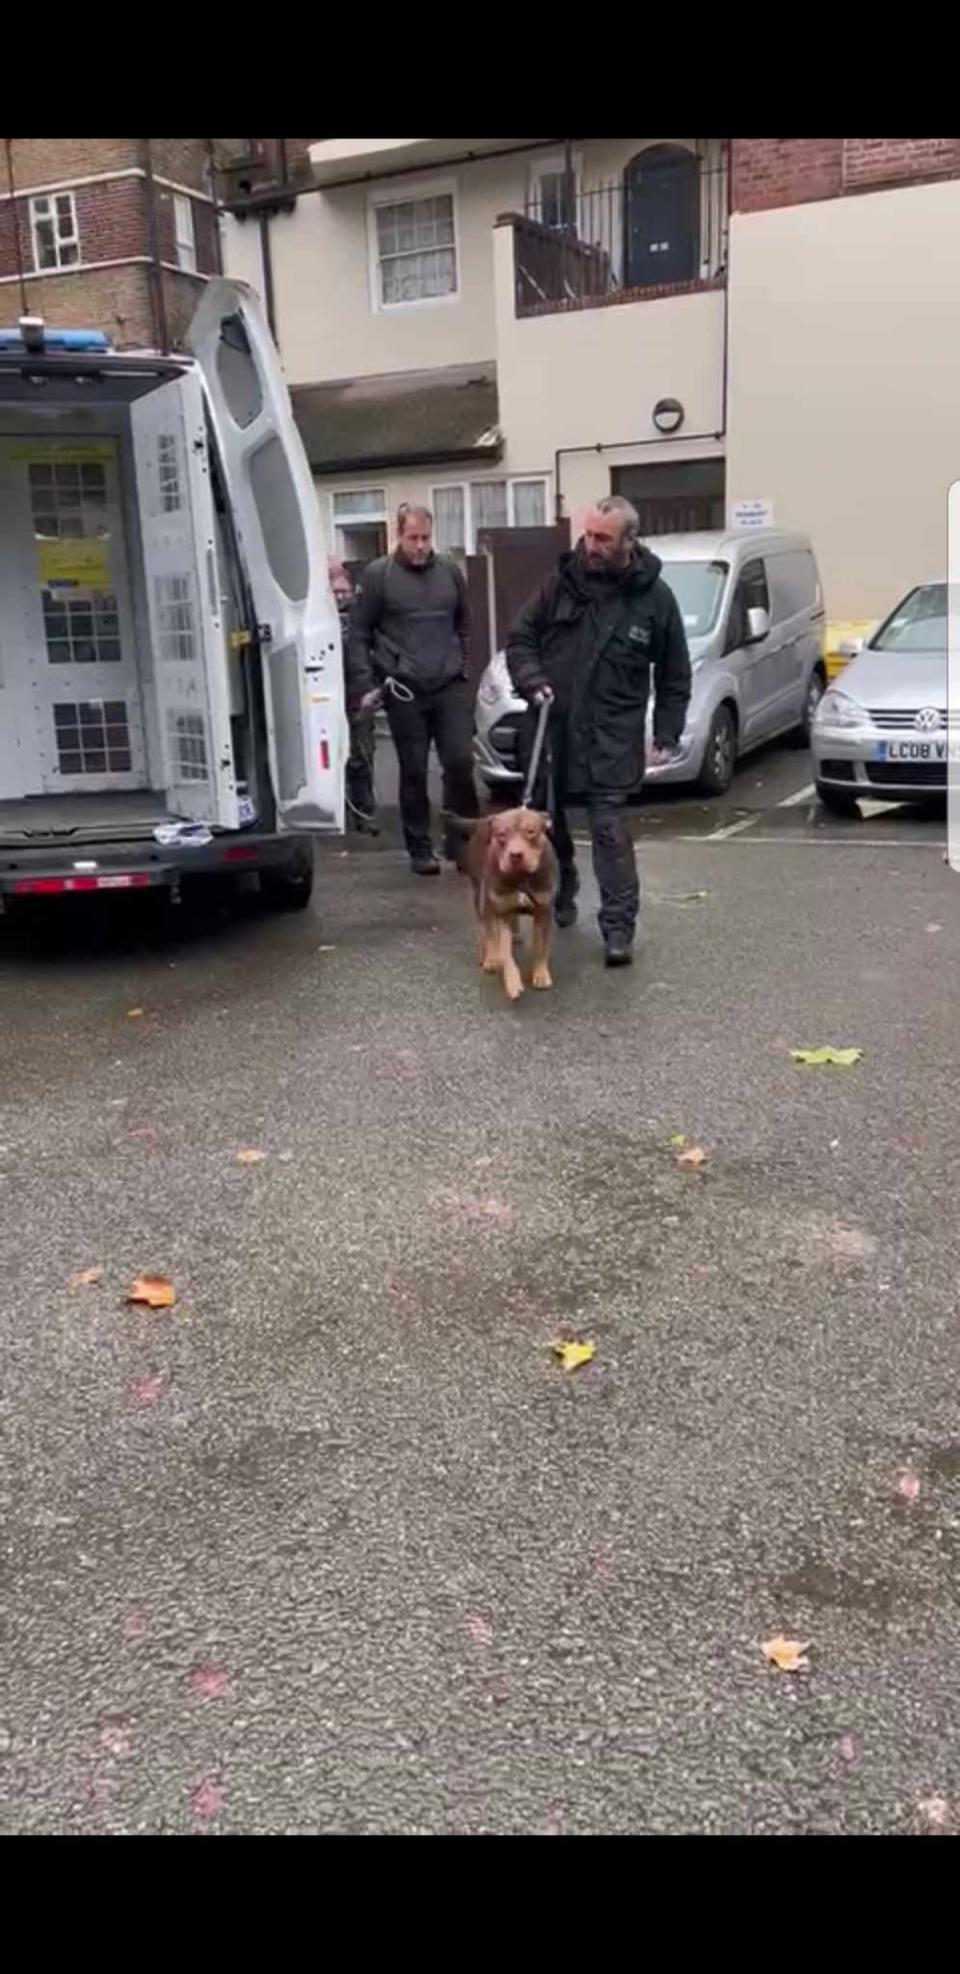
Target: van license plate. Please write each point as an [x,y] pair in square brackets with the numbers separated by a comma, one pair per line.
[120,881]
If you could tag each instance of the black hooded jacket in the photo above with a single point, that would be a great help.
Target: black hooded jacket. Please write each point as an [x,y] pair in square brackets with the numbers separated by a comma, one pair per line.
[596,638]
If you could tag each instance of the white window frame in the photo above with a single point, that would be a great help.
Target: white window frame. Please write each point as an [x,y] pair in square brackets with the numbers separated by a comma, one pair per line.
[466,487]
[38,217]
[400,195]
[552,166]
[184,233]
[362,517]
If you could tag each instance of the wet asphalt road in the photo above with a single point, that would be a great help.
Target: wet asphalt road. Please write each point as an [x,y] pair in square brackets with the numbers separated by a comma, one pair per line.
[336,1544]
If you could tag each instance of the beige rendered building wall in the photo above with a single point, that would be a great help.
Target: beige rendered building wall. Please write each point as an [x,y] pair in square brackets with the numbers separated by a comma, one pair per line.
[592,376]
[845,382]
[328,326]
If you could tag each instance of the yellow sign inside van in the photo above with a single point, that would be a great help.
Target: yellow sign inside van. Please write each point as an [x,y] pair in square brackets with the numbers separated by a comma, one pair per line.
[53,452]
[75,564]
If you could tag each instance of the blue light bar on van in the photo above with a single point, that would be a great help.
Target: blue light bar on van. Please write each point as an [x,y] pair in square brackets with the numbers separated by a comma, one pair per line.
[73,340]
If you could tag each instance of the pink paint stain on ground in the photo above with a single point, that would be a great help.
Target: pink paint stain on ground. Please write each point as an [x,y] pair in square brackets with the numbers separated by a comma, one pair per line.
[135,1623]
[480,1631]
[210,1682]
[146,1391]
[206,1799]
[908,1486]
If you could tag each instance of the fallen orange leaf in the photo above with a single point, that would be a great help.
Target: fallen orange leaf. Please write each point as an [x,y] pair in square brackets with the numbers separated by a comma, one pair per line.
[250,1157]
[787,1654]
[154,1290]
[693,1156]
[133,1014]
[86,1278]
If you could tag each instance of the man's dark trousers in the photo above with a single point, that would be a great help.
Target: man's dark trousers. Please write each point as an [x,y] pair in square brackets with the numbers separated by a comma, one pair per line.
[446,719]
[614,860]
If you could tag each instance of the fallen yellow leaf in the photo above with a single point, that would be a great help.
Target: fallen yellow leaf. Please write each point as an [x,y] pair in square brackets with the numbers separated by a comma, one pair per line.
[787,1654]
[133,1014]
[678,1140]
[250,1157]
[838,1058]
[693,1156]
[154,1290]
[86,1278]
[572,1355]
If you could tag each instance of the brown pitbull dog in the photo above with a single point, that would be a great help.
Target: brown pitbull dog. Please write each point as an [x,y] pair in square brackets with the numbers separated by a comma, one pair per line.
[512,866]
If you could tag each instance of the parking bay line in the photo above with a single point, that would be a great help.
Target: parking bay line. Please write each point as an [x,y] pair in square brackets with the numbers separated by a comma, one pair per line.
[849,841]
[802,795]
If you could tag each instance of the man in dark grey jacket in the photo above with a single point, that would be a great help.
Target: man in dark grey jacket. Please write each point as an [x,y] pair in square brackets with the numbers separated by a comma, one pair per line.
[599,632]
[407,649]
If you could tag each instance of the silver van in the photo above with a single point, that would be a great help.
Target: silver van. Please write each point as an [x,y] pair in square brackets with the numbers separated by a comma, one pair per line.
[753,610]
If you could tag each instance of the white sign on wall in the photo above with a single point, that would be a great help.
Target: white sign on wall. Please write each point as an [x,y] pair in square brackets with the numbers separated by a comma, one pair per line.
[753,514]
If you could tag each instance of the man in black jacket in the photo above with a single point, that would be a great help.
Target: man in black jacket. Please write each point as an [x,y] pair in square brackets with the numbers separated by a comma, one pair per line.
[588,642]
[408,650]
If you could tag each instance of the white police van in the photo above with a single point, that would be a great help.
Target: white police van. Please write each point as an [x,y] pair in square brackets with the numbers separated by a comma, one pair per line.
[171,684]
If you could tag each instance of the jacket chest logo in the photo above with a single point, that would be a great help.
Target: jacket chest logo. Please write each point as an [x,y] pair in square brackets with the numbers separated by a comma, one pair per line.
[639,636]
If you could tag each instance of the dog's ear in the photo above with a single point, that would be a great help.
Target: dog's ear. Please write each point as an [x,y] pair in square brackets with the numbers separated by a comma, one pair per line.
[547,822]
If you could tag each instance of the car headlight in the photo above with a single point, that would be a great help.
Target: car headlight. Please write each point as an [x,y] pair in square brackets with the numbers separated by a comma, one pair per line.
[837,709]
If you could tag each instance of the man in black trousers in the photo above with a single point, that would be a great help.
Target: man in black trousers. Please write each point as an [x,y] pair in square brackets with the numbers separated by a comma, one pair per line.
[407,650]
[599,634]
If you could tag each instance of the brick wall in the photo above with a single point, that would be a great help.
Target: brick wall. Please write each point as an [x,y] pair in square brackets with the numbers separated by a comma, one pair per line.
[44,160]
[877,161]
[184,159]
[790,171]
[112,223]
[115,299]
[784,171]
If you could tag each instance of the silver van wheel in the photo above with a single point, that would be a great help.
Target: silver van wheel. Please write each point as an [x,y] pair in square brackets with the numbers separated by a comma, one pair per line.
[720,753]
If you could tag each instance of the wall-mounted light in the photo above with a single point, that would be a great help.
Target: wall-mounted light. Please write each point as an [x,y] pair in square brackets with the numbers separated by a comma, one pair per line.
[668,415]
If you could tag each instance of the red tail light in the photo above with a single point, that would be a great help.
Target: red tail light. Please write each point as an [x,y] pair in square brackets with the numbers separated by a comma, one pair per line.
[46,887]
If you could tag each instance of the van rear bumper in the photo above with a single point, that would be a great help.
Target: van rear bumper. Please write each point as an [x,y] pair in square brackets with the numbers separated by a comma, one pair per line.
[34,870]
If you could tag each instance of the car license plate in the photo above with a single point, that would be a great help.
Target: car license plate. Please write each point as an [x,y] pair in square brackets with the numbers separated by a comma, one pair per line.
[918,750]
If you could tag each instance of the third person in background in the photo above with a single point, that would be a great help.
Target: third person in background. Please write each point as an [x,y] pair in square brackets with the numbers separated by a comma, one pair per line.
[360,784]
[591,641]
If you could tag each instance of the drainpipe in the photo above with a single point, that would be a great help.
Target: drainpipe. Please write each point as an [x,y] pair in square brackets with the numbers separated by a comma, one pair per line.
[8,148]
[266,262]
[161,334]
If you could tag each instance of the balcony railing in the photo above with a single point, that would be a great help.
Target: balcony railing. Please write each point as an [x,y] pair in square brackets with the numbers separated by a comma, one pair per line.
[661,228]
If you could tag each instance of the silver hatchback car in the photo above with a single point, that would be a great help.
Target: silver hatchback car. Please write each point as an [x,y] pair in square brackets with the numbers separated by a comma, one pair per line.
[753,612]
[884,729]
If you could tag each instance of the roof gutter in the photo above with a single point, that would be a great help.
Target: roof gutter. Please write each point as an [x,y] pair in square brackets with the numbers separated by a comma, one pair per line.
[388,462]
[239,208]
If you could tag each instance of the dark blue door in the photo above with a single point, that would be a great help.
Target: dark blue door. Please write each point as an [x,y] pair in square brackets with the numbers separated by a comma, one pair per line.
[661,200]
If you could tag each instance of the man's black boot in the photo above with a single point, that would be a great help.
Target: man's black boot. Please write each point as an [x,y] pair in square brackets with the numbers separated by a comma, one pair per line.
[423,863]
[565,903]
[618,949]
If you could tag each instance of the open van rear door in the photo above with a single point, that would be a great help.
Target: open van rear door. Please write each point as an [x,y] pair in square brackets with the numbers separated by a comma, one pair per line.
[277,519]
[187,632]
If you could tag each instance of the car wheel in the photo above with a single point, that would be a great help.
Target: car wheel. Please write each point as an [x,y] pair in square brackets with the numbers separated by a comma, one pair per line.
[837,802]
[720,754]
[288,887]
[800,736]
